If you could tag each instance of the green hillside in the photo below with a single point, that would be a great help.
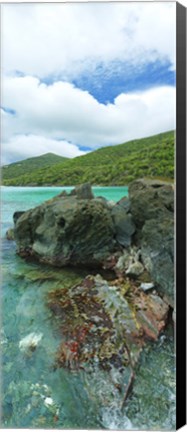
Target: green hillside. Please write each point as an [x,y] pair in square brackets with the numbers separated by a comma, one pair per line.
[114,165]
[20,168]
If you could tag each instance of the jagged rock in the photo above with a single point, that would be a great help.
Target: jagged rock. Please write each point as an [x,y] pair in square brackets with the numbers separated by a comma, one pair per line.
[125,260]
[151,314]
[158,254]
[104,201]
[83,191]
[123,263]
[17,215]
[124,226]
[125,203]
[63,194]
[150,200]
[152,205]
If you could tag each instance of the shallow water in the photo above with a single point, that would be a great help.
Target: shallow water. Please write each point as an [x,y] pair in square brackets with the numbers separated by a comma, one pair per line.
[37,395]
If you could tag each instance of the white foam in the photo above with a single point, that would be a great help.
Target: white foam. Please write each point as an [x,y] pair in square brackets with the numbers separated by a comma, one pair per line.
[113,419]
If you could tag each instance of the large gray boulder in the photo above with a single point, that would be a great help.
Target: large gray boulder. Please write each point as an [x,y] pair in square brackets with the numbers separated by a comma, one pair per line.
[150,199]
[66,231]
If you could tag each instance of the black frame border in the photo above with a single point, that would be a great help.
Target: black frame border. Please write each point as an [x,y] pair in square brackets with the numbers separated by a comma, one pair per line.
[181,216]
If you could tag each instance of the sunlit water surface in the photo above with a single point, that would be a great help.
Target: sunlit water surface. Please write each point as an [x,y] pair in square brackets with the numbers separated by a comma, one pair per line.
[35,395]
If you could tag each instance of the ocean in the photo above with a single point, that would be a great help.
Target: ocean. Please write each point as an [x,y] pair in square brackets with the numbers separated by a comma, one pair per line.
[35,394]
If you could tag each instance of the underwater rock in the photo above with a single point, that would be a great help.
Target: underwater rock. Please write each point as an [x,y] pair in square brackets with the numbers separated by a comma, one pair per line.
[48,401]
[30,342]
[3,338]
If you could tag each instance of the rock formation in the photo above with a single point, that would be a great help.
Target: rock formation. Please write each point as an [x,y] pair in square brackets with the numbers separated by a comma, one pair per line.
[152,209]
[106,324]
[132,236]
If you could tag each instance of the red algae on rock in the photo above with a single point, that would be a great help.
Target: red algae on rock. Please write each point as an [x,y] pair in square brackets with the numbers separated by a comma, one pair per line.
[104,322]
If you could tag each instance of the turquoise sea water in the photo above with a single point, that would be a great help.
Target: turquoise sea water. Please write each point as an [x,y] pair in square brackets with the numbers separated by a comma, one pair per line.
[35,395]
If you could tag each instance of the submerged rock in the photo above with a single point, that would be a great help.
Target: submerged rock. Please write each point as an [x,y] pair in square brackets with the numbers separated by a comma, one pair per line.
[30,342]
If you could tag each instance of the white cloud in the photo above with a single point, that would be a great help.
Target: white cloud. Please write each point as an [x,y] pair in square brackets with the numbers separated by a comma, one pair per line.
[71,40]
[47,114]
[44,39]
[24,146]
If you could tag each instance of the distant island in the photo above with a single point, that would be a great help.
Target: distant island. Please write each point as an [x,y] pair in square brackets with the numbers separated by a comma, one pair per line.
[114,165]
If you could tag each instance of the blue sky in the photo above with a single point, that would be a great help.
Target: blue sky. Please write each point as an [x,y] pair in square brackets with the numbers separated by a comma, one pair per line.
[106,82]
[77,77]
[121,77]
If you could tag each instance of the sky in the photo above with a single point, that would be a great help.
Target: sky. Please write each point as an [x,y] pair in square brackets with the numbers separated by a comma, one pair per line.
[80,76]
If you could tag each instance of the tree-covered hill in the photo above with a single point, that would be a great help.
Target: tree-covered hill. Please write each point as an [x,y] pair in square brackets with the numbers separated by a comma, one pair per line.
[23,167]
[114,165]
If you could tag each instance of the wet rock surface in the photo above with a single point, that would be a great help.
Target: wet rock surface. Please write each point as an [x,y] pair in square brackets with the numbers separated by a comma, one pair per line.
[106,325]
